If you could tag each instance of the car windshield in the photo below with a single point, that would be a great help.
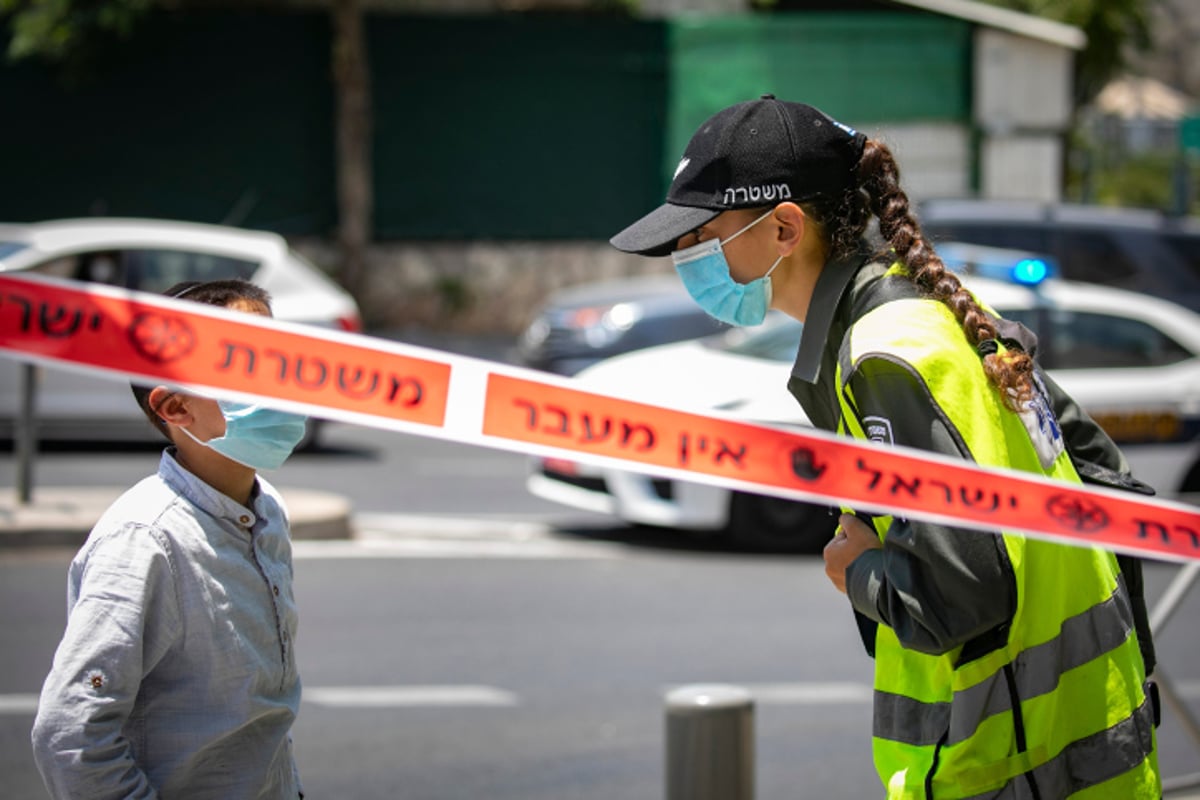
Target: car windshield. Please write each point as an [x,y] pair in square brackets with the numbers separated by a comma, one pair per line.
[1076,339]
[775,340]
[1188,248]
[1092,340]
[8,248]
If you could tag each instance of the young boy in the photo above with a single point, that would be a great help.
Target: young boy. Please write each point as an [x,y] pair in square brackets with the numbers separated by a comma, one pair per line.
[176,675]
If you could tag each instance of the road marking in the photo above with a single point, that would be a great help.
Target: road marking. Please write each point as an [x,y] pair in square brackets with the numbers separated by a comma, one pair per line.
[416,696]
[386,525]
[408,696]
[18,703]
[349,697]
[774,694]
[431,548]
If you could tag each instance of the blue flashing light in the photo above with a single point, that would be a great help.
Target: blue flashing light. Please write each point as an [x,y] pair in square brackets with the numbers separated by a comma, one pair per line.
[1020,267]
[1030,271]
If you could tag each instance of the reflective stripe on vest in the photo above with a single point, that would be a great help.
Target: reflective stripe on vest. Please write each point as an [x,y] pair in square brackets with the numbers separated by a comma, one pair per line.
[1084,637]
[1125,746]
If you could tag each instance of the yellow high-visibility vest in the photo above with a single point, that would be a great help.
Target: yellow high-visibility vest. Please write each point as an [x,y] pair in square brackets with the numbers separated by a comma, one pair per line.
[1062,704]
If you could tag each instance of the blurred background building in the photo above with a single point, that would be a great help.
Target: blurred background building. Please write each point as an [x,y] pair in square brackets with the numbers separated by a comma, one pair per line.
[500,143]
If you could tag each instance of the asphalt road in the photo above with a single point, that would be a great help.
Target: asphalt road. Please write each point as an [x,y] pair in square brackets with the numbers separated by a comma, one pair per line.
[510,676]
[500,659]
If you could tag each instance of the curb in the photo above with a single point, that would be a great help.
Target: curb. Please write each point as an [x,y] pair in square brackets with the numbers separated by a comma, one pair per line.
[64,516]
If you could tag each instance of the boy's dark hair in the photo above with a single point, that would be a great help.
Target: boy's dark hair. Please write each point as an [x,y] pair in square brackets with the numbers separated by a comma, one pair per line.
[222,293]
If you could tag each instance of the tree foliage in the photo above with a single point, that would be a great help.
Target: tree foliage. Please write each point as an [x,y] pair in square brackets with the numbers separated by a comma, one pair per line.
[64,31]
[1111,26]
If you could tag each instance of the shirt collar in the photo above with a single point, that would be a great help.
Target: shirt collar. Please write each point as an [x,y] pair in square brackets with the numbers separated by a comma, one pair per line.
[827,294]
[203,496]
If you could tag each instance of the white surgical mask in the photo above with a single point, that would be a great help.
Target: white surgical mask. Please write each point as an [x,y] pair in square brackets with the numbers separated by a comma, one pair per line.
[705,274]
[256,436]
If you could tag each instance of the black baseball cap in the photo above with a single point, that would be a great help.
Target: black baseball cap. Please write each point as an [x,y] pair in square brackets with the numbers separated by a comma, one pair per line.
[749,155]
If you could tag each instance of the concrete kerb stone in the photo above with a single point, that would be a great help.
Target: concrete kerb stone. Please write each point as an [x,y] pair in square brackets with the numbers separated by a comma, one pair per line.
[63,516]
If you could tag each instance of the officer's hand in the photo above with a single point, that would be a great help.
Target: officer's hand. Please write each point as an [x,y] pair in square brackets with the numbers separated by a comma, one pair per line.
[852,538]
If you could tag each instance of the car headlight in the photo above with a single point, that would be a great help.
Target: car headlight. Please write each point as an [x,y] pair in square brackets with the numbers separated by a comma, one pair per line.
[536,334]
[600,326]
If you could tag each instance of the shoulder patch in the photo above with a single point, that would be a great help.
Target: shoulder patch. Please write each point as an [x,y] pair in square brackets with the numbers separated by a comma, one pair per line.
[1042,425]
[879,429]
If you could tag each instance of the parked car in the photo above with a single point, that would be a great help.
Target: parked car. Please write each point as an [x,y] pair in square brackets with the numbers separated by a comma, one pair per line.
[1138,250]
[1132,361]
[581,325]
[149,255]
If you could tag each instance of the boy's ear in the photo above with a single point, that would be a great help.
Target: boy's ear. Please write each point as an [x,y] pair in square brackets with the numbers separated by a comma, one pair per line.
[170,406]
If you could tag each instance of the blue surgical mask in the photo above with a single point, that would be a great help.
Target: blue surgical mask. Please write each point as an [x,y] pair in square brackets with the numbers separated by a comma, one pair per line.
[256,436]
[705,274]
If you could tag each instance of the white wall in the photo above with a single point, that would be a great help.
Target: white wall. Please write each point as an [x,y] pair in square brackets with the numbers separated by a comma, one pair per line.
[1021,168]
[1022,108]
[934,158]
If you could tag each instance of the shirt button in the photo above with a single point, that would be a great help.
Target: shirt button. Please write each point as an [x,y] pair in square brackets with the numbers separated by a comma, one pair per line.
[244,519]
[275,589]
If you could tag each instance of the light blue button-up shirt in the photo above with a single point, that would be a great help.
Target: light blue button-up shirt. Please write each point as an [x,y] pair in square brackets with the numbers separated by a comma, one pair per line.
[176,676]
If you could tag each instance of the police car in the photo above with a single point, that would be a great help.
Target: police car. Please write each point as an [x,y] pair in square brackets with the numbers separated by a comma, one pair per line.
[149,255]
[1132,361]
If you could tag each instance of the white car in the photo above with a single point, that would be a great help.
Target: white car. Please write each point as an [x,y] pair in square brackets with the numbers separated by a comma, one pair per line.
[148,255]
[1131,361]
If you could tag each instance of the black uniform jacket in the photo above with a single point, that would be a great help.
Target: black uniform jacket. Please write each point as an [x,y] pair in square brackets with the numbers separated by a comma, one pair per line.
[936,586]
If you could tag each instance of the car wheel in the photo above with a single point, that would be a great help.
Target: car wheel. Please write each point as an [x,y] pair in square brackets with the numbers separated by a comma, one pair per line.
[1191,484]
[763,522]
[312,433]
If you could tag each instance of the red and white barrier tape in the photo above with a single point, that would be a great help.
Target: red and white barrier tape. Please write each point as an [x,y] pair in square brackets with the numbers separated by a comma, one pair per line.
[358,379]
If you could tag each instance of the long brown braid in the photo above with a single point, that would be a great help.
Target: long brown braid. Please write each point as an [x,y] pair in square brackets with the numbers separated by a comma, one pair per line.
[878,194]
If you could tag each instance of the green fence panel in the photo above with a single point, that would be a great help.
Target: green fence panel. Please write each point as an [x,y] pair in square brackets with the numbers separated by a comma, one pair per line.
[1189,134]
[517,126]
[858,67]
[198,116]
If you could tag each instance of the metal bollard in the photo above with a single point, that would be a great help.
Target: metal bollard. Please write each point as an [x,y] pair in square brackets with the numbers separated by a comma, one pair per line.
[710,743]
[25,436]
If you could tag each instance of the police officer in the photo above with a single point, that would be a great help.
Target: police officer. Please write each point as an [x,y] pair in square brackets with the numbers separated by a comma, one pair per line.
[1005,667]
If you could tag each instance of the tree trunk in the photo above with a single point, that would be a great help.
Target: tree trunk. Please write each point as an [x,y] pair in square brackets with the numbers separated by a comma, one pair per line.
[352,97]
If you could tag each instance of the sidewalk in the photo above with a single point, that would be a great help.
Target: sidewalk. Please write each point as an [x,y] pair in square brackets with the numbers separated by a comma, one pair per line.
[63,516]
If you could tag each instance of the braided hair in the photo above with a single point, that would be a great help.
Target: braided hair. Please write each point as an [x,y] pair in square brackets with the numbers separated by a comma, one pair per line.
[877,194]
